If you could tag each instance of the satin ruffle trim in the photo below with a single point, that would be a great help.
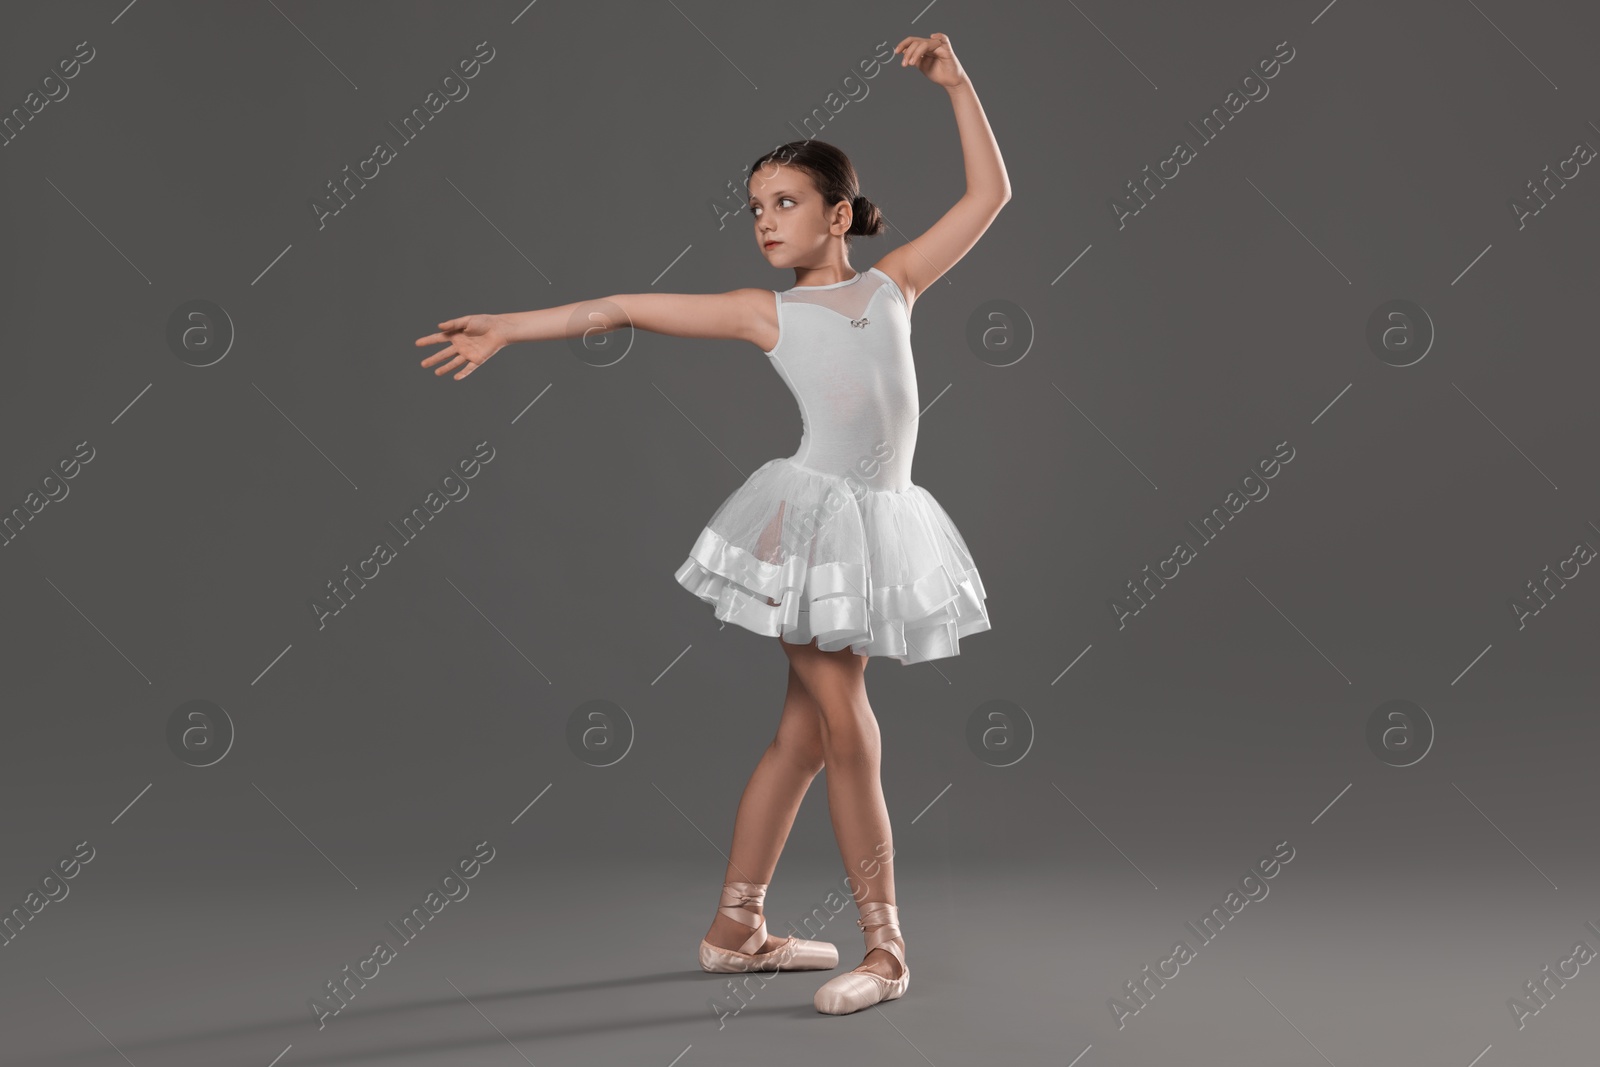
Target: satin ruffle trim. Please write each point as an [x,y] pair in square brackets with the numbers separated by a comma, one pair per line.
[840,602]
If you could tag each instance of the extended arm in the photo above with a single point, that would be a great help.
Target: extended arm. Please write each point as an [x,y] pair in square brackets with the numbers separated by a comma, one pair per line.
[732,315]
[742,314]
[921,262]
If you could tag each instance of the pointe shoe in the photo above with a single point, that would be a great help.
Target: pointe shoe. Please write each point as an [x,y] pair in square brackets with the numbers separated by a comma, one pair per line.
[857,989]
[795,954]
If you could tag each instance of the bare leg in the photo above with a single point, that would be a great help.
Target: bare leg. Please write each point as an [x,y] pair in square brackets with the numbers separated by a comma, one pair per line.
[771,799]
[852,750]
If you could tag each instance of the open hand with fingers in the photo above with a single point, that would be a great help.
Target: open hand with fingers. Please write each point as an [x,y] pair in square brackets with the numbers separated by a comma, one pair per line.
[934,57]
[472,339]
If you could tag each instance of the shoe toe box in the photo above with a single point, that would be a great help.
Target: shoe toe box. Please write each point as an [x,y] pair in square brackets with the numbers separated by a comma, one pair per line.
[812,956]
[849,992]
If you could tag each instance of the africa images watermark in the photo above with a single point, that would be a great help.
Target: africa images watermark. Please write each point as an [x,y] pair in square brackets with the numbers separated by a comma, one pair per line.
[383,153]
[339,994]
[383,553]
[1254,889]
[1123,206]
[801,527]
[1540,192]
[1539,992]
[1540,594]
[52,890]
[1255,491]
[54,490]
[53,89]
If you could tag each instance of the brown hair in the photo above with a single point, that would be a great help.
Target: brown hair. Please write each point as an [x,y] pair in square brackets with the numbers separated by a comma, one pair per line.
[835,178]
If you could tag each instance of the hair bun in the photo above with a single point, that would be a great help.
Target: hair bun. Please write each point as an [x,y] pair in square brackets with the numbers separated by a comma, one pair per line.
[867,220]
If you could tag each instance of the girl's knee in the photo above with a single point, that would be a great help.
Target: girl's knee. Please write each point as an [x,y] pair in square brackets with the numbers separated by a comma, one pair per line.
[806,754]
[849,730]
[806,760]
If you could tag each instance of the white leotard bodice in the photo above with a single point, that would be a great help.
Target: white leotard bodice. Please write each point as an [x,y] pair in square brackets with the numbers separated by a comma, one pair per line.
[844,351]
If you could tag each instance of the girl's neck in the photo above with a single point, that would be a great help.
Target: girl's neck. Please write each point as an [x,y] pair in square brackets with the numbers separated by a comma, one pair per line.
[824,276]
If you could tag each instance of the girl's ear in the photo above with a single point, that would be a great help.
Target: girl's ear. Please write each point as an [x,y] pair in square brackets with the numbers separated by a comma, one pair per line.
[841,219]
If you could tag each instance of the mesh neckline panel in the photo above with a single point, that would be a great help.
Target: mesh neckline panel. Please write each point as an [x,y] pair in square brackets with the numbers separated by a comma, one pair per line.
[848,298]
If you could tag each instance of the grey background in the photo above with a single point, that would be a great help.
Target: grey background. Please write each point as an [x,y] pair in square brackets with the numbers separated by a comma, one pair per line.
[588,160]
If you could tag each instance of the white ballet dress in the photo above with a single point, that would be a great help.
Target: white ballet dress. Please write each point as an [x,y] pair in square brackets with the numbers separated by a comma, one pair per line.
[835,543]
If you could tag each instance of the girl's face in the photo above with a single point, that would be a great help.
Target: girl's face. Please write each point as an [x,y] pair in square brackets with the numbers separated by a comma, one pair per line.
[792,226]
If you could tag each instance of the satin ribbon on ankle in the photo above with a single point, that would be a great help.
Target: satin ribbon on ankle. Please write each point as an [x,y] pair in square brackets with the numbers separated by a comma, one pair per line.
[737,899]
[885,920]
[791,954]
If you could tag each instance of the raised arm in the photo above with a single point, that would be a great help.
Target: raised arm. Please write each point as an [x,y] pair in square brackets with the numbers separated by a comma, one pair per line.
[740,314]
[921,262]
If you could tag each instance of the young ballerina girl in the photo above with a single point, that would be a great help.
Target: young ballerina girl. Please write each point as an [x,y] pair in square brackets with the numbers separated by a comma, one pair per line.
[833,550]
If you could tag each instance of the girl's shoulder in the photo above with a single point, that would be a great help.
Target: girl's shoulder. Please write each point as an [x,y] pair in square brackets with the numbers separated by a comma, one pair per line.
[897,279]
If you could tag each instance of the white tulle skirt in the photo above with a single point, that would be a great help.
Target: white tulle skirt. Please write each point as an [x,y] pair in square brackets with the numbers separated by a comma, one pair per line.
[802,555]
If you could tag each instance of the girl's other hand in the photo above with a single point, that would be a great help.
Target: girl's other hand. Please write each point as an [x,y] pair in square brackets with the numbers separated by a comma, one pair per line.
[934,57]
[472,340]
